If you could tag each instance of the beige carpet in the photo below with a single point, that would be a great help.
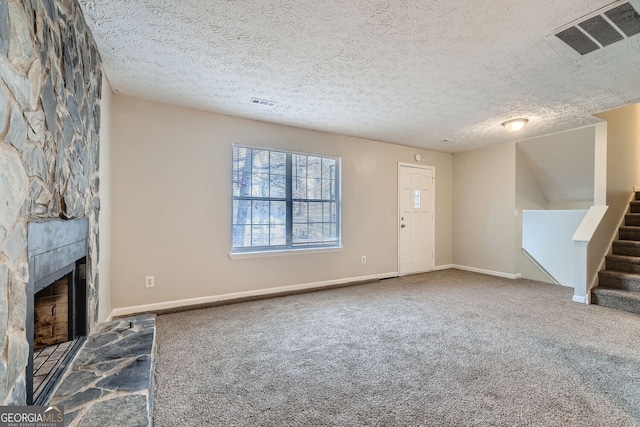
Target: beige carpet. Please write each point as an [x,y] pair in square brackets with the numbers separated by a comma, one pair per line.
[448,348]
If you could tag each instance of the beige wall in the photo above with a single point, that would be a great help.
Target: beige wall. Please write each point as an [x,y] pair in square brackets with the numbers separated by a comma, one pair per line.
[484,215]
[623,155]
[529,195]
[622,172]
[104,256]
[171,194]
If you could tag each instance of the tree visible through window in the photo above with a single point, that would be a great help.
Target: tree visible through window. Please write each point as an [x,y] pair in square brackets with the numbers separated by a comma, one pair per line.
[284,200]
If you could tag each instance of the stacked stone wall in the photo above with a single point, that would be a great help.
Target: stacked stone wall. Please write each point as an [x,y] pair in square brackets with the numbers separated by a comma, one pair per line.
[50,82]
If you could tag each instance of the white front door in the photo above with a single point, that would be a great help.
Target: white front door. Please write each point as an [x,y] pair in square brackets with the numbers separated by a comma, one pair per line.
[416,218]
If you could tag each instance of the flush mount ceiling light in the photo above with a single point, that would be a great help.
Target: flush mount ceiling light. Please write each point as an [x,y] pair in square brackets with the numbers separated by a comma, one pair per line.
[515,125]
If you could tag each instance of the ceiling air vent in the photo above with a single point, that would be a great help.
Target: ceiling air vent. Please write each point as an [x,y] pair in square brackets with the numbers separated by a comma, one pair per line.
[599,29]
[263,102]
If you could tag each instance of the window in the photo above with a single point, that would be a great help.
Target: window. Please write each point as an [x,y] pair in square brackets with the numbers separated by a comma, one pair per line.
[284,200]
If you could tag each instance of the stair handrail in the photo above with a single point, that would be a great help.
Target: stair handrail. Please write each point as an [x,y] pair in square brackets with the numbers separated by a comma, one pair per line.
[581,239]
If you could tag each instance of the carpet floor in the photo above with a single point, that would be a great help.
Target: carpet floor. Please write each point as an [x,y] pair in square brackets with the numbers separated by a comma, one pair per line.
[447,348]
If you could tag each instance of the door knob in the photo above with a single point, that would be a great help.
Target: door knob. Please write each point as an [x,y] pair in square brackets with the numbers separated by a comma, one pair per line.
[402,226]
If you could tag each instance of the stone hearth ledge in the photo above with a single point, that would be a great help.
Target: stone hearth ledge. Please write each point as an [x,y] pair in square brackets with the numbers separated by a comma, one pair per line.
[110,381]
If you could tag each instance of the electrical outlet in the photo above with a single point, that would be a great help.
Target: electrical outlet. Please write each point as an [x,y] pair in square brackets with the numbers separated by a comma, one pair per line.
[149,281]
[364,259]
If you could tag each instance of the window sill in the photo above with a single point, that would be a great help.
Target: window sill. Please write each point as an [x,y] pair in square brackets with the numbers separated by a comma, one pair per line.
[286,252]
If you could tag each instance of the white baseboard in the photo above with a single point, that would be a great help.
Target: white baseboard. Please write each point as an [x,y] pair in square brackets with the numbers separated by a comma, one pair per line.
[379,276]
[489,272]
[443,267]
[582,300]
[123,311]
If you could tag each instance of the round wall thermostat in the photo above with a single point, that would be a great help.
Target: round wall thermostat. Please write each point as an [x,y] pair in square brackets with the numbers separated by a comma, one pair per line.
[417,157]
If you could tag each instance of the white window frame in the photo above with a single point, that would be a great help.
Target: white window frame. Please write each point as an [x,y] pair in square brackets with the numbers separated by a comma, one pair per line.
[331,206]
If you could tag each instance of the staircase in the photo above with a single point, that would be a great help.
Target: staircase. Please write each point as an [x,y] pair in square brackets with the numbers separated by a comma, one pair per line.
[619,285]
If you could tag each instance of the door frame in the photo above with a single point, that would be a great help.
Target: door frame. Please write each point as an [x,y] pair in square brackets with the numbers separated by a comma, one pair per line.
[433,203]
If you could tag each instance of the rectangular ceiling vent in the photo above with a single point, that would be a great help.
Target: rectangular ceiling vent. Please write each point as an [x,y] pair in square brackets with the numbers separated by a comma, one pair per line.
[263,102]
[601,28]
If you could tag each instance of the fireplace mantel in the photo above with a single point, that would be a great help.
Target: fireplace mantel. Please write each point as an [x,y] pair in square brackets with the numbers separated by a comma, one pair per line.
[52,246]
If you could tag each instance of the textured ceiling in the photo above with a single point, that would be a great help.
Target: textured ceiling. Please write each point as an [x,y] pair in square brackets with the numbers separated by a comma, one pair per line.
[411,72]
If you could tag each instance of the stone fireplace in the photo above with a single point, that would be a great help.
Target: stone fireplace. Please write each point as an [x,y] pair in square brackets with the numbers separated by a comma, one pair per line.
[50,90]
[56,299]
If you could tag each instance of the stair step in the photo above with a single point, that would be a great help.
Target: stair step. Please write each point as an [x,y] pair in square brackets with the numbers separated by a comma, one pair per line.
[625,263]
[629,233]
[619,285]
[619,280]
[616,298]
[632,219]
[635,206]
[626,247]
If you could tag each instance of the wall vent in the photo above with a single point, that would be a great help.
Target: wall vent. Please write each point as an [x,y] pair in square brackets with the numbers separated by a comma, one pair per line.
[618,21]
[263,102]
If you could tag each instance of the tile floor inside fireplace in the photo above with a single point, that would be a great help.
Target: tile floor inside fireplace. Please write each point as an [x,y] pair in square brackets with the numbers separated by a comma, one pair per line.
[45,361]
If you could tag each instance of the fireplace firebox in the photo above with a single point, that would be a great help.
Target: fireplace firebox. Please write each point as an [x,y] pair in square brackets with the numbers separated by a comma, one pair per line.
[56,300]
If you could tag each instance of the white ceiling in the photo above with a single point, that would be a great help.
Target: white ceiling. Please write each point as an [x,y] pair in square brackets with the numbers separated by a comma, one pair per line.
[411,72]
